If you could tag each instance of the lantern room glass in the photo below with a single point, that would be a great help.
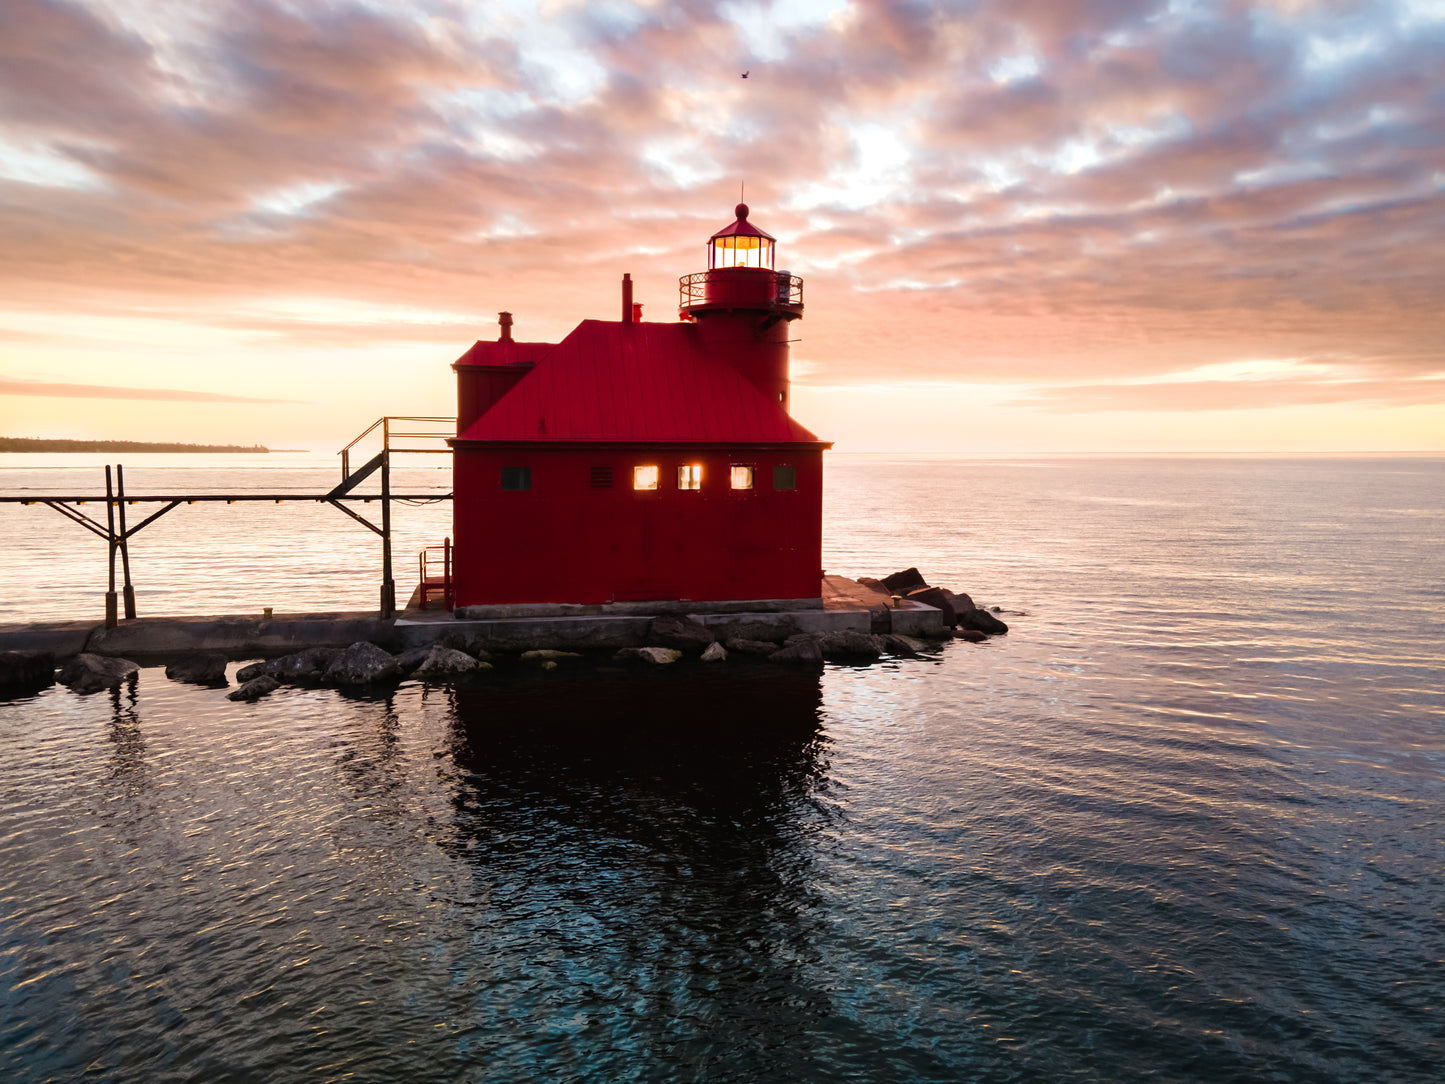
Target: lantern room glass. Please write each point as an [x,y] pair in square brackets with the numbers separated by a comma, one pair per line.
[741,250]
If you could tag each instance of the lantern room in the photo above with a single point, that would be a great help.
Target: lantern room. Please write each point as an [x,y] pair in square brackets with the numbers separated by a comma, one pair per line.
[741,245]
[741,277]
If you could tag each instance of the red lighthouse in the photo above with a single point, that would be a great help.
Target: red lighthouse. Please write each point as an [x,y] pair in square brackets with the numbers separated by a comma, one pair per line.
[643,462]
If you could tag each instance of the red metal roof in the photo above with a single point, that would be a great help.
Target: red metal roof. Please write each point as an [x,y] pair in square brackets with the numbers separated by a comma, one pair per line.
[639,382]
[742,227]
[504,353]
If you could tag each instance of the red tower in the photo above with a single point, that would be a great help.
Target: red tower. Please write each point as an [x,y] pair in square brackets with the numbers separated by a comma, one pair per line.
[641,462]
[743,306]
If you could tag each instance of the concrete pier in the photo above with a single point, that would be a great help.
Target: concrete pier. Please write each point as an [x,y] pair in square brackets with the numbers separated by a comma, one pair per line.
[159,639]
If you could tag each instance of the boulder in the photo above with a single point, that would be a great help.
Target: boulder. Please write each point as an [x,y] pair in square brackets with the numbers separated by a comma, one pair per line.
[937,598]
[26,670]
[413,657]
[740,646]
[473,643]
[900,583]
[251,671]
[362,664]
[254,689]
[981,621]
[443,661]
[87,673]
[973,636]
[898,644]
[801,652]
[201,668]
[654,656]
[959,601]
[547,654]
[874,585]
[311,666]
[850,644]
[714,652]
[681,633]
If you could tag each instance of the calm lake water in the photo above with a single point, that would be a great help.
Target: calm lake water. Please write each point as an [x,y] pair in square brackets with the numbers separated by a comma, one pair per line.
[1185,822]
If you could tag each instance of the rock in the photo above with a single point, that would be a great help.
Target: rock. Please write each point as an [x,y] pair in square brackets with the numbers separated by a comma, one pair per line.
[655,656]
[26,670]
[714,652]
[311,666]
[202,668]
[874,585]
[981,621]
[849,644]
[87,673]
[959,601]
[470,643]
[549,664]
[682,633]
[803,652]
[362,664]
[547,654]
[937,598]
[252,671]
[254,689]
[442,661]
[973,636]
[413,657]
[900,583]
[739,646]
[898,644]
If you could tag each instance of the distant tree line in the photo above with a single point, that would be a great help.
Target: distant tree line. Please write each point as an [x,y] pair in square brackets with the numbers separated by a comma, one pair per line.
[41,444]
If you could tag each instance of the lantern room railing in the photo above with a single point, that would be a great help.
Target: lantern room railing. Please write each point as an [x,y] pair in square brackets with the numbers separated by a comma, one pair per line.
[742,288]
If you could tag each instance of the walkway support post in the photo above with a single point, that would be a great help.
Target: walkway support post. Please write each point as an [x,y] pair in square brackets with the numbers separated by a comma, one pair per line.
[129,591]
[112,615]
[388,585]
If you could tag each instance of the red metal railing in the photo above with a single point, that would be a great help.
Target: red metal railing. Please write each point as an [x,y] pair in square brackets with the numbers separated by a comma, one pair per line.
[427,560]
[724,285]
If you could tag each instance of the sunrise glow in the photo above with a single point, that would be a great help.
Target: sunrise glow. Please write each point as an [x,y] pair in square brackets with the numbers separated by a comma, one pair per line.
[1137,227]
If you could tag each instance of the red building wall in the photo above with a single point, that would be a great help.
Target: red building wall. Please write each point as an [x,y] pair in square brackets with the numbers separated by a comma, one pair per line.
[567,540]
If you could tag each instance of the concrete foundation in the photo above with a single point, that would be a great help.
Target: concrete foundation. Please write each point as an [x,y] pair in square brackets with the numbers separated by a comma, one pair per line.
[160,639]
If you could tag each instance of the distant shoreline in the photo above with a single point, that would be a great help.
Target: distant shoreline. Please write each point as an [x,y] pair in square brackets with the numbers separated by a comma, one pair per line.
[41,444]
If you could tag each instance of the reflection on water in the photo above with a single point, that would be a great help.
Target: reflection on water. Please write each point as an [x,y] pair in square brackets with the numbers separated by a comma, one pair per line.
[1181,824]
[643,868]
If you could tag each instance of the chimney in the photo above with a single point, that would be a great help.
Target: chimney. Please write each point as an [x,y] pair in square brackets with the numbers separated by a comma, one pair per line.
[628,313]
[504,320]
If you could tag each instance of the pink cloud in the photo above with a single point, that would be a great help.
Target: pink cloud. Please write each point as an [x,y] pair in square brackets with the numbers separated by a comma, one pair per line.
[1115,189]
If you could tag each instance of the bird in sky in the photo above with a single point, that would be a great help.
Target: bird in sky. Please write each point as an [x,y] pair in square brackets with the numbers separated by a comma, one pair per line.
[747,73]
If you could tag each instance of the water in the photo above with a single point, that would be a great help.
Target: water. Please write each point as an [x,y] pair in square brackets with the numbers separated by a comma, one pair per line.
[1183,823]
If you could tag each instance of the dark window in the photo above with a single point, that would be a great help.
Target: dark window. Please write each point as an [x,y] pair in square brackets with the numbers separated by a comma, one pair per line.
[785,477]
[516,477]
[601,477]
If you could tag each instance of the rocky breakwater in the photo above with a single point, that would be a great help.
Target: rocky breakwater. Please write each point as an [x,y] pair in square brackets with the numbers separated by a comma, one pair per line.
[361,665]
[967,620]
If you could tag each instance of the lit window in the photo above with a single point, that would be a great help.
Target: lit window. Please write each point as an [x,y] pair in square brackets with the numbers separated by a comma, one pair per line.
[689,476]
[785,477]
[516,477]
[742,251]
[742,476]
[644,477]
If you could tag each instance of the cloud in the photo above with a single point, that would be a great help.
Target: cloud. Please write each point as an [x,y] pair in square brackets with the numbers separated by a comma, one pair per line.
[49,389]
[1012,192]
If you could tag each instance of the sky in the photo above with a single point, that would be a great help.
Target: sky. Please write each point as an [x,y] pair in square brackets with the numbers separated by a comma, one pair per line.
[1024,226]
